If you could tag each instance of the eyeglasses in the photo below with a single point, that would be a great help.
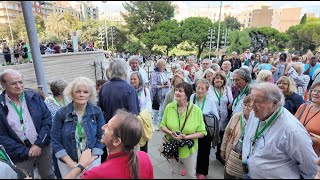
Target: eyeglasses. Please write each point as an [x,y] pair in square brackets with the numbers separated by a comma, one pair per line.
[315,91]
[13,84]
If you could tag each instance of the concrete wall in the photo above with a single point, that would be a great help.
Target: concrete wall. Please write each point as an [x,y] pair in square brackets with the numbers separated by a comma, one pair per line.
[65,66]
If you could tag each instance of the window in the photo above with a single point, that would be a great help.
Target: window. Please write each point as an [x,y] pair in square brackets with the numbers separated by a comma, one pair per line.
[38,9]
[249,20]
[250,14]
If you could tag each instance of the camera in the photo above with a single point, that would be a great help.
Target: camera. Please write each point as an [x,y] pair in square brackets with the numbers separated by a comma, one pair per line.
[27,143]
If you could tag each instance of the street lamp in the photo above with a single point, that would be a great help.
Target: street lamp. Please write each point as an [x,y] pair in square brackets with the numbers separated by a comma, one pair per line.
[5,4]
[105,23]
[148,64]
[211,37]
[218,41]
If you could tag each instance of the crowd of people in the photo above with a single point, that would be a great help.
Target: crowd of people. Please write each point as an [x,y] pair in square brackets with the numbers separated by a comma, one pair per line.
[259,111]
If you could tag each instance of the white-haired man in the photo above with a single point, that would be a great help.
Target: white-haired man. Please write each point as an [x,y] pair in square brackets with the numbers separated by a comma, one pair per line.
[134,62]
[275,145]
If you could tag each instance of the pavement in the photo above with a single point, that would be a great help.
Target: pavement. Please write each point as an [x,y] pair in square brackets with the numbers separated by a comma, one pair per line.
[162,167]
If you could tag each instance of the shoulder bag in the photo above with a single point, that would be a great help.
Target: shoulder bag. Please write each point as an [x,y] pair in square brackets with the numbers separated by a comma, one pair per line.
[164,140]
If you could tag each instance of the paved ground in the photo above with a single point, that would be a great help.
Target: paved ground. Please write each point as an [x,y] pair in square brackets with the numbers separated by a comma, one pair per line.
[162,167]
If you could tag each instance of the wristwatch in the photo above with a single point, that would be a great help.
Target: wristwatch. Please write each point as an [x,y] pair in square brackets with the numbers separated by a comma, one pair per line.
[79,166]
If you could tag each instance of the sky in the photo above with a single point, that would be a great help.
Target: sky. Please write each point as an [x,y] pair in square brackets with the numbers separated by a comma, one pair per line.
[307,6]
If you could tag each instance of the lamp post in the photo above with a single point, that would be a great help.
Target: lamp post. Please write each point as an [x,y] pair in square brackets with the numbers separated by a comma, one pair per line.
[105,23]
[5,4]
[148,64]
[210,37]
[218,41]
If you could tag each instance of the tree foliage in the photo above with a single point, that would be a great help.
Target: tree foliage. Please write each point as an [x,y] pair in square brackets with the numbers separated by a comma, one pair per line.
[303,19]
[56,23]
[195,30]
[239,41]
[166,33]
[232,23]
[142,16]
[19,29]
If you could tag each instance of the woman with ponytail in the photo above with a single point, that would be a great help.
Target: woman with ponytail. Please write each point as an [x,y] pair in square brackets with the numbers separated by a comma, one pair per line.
[121,134]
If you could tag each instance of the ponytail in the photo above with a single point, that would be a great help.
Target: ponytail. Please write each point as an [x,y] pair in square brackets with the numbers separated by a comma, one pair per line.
[133,165]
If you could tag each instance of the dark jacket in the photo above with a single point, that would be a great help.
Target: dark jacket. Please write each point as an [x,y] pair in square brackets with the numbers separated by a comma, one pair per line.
[235,65]
[117,94]
[41,117]
[293,102]
[63,131]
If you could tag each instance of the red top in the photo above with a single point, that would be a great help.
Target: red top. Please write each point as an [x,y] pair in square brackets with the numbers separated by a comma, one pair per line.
[117,167]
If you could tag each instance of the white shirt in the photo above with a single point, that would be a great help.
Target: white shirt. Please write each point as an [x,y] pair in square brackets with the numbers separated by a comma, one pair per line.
[284,151]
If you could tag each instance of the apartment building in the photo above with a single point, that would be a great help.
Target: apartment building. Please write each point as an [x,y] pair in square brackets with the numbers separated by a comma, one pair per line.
[262,17]
[66,7]
[114,16]
[284,18]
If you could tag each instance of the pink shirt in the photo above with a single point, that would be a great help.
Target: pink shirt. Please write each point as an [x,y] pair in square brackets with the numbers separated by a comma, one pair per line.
[117,167]
[13,118]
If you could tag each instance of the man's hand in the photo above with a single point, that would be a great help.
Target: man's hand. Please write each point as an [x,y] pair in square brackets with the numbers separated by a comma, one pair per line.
[86,158]
[34,151]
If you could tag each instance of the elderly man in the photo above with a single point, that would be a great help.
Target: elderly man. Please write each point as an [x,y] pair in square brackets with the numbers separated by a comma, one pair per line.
[235,62]
[242,80]
[205,64]
[117,94]
[275,145]
[226,67]
[25,123]
[134,62]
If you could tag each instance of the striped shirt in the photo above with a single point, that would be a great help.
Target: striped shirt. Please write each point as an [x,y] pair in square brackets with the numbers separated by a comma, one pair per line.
[301,81]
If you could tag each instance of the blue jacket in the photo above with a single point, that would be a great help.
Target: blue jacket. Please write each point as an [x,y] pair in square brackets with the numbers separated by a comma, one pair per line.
[293,102]
[118,94]
[41,117]
[63,131]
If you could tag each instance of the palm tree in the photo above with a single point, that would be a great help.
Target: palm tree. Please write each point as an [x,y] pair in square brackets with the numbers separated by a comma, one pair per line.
[56,23]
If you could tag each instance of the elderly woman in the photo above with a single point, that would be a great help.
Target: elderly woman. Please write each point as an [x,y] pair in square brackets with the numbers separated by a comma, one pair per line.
[182,120]
[192,68]
[292,99]
[309,116]
[223,99]
[174,67]
[54,103]
[265,76]
[177,78]
[144,98]
[159,87]
[232,140]
[295,71]
[183,74]
[77,126]
[209,75]
[208,107]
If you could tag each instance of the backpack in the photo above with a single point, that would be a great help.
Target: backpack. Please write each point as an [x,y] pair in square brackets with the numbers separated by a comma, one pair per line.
[212,127]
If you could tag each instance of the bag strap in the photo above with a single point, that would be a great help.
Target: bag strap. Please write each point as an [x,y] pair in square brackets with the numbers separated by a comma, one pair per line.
[187,117]
[304,108]
[145,92]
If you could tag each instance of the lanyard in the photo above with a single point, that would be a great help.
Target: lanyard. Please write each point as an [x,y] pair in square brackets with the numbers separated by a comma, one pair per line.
[218,95]
[3,156]
[245,90]
[259,132]
[305,122]
[79,128]
[64,103]
[19,112]
[241,129]
[204,100]
[179,114]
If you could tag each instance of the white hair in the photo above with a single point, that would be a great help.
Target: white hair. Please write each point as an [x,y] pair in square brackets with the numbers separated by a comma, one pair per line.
[272,92]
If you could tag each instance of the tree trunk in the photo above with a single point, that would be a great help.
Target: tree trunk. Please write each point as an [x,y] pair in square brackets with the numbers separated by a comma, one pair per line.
[167,50]
[200,49]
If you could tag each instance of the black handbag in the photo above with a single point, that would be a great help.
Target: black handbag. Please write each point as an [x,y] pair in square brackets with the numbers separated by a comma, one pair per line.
[156,101]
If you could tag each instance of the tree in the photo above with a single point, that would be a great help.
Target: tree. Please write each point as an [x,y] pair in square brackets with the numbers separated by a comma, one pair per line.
[56,23]
[232,23]
[143,15]
[195,30]
[19,27]
[239,40]
[133,47]
[303,19]
[166,33]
